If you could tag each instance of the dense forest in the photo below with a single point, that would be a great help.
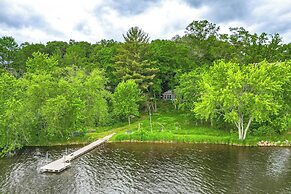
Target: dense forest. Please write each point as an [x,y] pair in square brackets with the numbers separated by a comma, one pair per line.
[238,80]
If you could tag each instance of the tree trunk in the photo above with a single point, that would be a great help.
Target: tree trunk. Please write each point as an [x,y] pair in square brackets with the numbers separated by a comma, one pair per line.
[151,126]
[247,128]
[155,103]
[242,132]
[153,107]
[128,120]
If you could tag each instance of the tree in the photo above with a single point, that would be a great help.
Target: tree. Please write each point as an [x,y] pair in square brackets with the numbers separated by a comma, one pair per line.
[253,48]
[125,100]
[242,94]
[136,35]
[38,88]
[15,116]
[131,62]
[202,30]
[64,100]
[103,55]
[76,54]
[171,59]
[95,97]
[8,88]
[202,40]
[275,49]
[25,52]
[188,90]
[8,49]
[40,63]
[55,115]
[57,49]
[86,96]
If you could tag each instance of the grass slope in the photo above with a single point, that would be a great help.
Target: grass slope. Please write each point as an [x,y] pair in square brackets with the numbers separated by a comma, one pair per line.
[168,125]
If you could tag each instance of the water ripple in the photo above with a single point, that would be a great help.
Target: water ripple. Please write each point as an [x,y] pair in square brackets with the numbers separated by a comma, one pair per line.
[151,168]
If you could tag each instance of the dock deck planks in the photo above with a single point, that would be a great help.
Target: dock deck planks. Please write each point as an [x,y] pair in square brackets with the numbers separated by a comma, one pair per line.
[64,162]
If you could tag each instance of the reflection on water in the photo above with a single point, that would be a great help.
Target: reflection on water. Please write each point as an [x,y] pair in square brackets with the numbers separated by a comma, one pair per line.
[152,168]
[278,162]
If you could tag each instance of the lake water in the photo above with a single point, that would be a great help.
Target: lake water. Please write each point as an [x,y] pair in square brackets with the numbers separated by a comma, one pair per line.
[152,168]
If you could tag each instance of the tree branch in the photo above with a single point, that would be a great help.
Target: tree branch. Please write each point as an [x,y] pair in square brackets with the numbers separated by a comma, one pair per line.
[249,123]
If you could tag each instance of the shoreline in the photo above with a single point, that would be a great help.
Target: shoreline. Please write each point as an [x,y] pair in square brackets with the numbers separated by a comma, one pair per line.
[210,143]
[243,144]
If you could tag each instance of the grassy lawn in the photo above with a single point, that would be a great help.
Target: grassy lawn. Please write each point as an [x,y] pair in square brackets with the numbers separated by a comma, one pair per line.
[168,125]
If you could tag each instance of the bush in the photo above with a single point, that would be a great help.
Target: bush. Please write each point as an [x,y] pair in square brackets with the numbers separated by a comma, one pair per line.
[264,131]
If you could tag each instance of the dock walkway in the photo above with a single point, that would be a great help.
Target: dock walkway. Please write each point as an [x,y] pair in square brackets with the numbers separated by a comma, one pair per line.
[64,162]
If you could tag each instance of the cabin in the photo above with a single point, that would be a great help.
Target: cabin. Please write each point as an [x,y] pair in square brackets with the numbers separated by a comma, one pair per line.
[168,95]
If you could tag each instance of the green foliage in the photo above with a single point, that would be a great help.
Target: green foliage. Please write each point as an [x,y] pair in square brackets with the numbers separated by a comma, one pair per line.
[202,30]
[50,91]
[188,90]
[171,60]
[50,102]
[96,97]
[242,93]
[136,36]
[77,53]
[58,48]
[8,48]
[40,63]
[103,57]
[131,62]
[55,115]
[7,90]
[203,41]
[125,99]
[23,54]
[254,48]
[264,131]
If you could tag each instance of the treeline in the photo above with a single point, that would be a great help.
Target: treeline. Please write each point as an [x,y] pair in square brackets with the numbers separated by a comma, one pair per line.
[57,88]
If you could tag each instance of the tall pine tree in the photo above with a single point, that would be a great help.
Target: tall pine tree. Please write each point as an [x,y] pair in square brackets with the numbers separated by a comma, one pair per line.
[131,62]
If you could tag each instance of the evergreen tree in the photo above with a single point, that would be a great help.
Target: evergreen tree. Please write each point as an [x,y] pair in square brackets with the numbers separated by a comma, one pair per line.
[131,62]
[8,49]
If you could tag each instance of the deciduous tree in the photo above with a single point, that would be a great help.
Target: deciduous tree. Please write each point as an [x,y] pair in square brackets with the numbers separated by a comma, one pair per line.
[125,100]
[242,94]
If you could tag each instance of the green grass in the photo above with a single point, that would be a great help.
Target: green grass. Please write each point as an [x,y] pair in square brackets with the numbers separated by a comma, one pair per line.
[168,125]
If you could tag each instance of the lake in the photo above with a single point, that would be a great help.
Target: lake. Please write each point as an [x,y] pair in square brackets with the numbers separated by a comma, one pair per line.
[151,168]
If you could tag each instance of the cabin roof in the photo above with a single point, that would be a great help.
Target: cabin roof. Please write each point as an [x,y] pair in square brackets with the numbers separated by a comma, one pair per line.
[168,92]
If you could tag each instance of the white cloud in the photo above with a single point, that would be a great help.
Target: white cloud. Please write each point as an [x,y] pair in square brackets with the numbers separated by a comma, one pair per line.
[165,20]
[162,21]
[92,20]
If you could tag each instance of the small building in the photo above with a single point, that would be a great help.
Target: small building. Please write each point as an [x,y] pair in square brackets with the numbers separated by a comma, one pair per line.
[168,95]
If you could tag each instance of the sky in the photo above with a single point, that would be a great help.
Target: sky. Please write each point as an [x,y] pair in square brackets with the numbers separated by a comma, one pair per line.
[40,21]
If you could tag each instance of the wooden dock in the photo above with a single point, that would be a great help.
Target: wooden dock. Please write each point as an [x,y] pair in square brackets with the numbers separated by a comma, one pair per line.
[64,162]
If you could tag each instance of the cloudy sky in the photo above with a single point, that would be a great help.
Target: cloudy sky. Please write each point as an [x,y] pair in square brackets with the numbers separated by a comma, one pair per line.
[93,20]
